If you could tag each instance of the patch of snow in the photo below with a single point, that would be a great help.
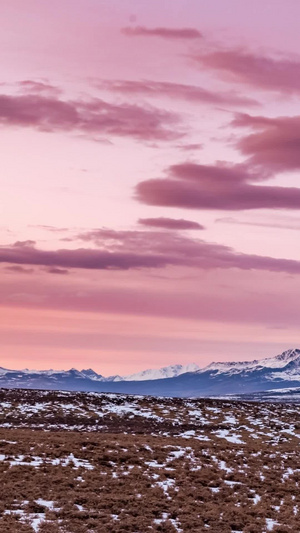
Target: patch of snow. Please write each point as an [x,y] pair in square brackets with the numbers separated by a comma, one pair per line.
[270,523]
[225,434]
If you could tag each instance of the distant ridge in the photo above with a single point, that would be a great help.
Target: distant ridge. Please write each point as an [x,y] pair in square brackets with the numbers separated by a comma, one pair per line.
[149,374]
[234,377]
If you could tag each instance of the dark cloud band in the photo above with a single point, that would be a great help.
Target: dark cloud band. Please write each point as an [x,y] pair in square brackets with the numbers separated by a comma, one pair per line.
[117,251]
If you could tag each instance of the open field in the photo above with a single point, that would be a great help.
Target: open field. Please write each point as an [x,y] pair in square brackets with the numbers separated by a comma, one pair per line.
[75,462]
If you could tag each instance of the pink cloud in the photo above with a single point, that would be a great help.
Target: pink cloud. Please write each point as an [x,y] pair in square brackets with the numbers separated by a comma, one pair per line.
[170,223]
[279,222]
[60,271]
[190,147]
[275,145]
[39,87]
[24,244]
[91,117]
[224,187]
[52,229]
[118,251]
[165,33]
[81,258]
[190,93]
[259,71]
[19,269]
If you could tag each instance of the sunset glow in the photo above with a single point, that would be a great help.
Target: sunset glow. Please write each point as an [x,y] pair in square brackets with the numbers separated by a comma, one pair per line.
[149,182]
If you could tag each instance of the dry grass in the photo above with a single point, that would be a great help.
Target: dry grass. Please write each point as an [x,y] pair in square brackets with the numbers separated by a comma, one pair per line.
[79,463]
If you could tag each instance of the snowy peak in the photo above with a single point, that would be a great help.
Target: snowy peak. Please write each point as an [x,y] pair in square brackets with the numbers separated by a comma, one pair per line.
[288,355]
[280,361]
[223,367]
[91,374]
[162,373]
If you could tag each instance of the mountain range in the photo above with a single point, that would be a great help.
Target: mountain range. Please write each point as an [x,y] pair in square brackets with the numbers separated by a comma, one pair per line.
[242,377]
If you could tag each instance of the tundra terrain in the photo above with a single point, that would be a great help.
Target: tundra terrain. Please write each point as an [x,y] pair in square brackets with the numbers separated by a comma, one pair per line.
[109,463]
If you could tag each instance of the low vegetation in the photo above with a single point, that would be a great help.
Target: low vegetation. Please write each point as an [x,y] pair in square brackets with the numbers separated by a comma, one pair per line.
[80,463]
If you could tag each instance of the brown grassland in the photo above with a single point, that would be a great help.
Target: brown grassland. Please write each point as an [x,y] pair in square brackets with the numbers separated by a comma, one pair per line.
[80,463]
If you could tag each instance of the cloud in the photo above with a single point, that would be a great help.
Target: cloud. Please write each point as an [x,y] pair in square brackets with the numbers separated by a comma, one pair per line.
[39,87]
[190,146]
[46,227]
[281,222]
[24,244]
[83,258]
[220,186]
[190,93]
[19,269]
[118,251]
[165,33]
[60,271]
[261,72]
[275,145]
[90,117]
[170,223]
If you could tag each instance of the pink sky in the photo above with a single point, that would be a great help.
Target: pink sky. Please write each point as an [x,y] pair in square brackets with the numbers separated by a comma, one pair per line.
[149,182]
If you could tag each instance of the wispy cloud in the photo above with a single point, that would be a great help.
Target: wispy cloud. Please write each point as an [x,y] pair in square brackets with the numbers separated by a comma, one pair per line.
[170,223]
[278,222]
[90,117]
[190,93]
[117,250]
[279,74]
[39,87]
[165,33]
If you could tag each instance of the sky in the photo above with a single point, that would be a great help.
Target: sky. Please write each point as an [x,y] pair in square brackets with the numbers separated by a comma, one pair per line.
[149,174]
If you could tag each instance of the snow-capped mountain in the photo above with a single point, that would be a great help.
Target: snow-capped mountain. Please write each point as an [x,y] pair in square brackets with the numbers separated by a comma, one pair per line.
[240,377]
[160,373]
[149,374]
[236,367]
[90,374]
